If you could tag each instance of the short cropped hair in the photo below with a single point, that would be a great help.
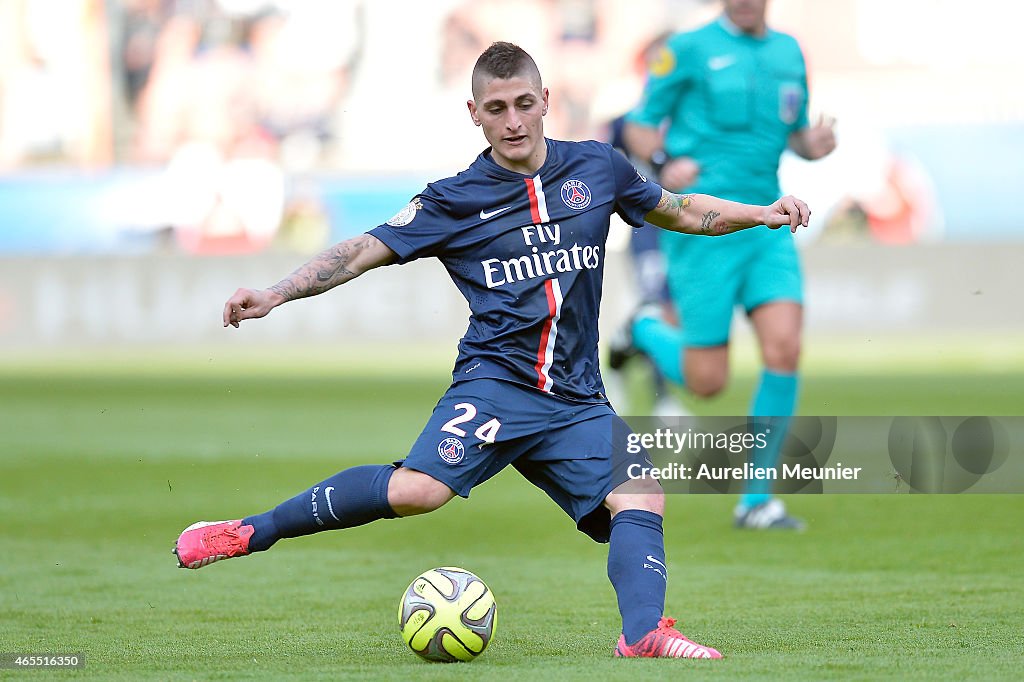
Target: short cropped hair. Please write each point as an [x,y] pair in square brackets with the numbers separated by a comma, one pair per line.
[504,60]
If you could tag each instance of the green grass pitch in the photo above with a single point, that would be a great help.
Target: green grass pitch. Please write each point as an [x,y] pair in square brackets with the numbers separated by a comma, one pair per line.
[102,463]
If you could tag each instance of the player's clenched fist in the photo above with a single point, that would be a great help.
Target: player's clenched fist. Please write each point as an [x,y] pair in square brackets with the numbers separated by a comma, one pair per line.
[247,304]
[787,211]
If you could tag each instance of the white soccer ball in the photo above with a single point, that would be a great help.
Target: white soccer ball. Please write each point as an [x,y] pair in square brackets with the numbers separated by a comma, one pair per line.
[447,615]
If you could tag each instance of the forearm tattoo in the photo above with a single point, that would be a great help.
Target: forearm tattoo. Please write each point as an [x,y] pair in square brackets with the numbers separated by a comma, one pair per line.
[707,223]
[325,271]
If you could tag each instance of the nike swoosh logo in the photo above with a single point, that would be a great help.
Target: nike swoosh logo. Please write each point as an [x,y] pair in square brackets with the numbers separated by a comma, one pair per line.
[330,508]
[719,63]
[652,559]
[658,571]
[484,215]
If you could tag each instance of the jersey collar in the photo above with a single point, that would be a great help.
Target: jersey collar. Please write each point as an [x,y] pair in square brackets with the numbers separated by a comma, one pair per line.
[489,166]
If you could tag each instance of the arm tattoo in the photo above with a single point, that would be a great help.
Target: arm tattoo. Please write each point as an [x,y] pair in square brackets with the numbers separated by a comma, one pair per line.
[325,271]
[708,221]
[676,203]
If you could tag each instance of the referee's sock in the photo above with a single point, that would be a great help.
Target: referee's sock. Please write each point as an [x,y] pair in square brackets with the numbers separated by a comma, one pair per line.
[350,498]
[637,571]
[662,343]
[773,405]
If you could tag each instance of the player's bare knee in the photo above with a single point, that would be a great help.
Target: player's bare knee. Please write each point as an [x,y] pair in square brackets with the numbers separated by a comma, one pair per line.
[706,371]
[641,493]
[413,492]
[782,355]
[706,384]
[651,503]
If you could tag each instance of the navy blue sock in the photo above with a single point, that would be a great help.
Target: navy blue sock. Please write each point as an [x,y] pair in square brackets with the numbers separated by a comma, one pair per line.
[636,567]
[351,498]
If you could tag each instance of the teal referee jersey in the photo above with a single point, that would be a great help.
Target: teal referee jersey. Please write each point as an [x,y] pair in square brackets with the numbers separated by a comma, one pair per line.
[732,100]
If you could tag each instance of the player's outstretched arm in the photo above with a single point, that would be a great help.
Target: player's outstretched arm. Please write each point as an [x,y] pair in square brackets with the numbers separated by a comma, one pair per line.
[342,262]
[708,215]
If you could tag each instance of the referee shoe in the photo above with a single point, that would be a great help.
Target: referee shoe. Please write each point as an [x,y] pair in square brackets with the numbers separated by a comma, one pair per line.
[771,515]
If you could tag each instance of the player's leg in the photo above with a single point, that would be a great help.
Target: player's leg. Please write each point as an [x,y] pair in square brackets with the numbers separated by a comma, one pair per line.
[448,459]
[704,282]
[412,492]
[660,340]
[583,466]
[689,357]
[432,474]
[777,326]
[706,369]
[636,555]
[652,284]
[638,570]
[649,274]
[773,298]
[350,498]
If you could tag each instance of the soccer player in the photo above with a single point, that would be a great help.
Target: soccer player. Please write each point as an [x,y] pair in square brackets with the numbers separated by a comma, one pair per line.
[733,95]
[522,234]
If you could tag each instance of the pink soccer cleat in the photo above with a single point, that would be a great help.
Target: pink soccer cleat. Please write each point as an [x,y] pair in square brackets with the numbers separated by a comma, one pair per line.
[664,642]
[207,541]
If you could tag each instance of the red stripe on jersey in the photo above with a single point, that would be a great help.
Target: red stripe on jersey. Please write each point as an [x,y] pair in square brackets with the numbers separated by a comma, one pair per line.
[534,205]
[546,349]
[542,351]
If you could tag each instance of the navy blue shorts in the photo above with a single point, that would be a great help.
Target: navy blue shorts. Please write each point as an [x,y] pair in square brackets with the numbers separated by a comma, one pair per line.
[569,450]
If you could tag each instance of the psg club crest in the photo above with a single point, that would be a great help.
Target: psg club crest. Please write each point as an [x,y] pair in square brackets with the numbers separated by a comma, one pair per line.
[451,450]
[575,194]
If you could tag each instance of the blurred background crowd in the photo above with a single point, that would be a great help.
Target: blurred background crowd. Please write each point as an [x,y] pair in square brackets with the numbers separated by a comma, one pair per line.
[229,126]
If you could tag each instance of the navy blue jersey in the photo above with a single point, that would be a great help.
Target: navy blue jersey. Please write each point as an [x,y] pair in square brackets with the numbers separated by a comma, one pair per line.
[527,252]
